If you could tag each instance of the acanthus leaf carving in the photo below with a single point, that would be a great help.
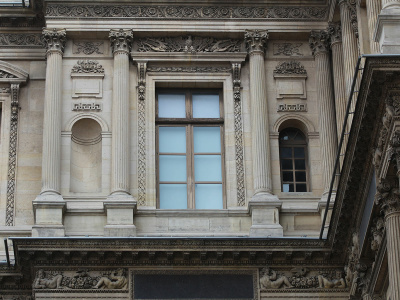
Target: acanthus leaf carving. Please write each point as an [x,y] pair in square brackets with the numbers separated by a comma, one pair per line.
[88,47]
[55,39]
[121,40]
[288,49]
[388,196]
[188,44]
[319,41]
[21,39]
[256,40]
[335,32]
[87,66]
[290,67]
[141,90]
[377,231]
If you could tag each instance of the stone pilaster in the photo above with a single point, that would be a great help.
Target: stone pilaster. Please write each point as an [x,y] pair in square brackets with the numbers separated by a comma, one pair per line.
[265,213]
[319,43]
[338,75]
[387,27]
[49,205]
[373,9]
[120,205]
[349,42]
[388,198]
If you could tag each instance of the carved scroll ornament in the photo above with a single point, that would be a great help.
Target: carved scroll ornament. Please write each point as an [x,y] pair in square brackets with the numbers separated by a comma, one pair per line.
[88,66]
[290,67]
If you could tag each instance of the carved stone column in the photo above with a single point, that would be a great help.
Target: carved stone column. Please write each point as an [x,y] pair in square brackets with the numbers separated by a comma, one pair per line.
[348,16]
[120,205]
[388,198]
[319,43]
[49,205]
[373,9]
[338,75]
[266,216]
[386,33]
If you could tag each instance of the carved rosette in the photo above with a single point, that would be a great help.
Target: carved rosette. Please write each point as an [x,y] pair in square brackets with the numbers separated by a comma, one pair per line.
[335,32]
[256,40]
[55,39]
[319,41]
[387,196]
[121,40]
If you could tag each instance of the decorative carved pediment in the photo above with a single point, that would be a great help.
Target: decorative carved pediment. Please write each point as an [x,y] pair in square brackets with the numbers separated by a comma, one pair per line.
[11,73]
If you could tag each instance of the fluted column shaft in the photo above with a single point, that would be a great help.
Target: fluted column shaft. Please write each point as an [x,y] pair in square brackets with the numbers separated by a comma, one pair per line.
[392,222]
[259,113]
[373,9]
[350,45]
[328,137]
[121,43]
[338,74]
[51,174]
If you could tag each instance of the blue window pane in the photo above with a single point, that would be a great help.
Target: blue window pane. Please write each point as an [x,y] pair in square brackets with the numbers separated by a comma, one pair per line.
[205,106]
[208,196]
[173,196]
[207,168]
[172,139]
[171,106]
[172,168]
[207,139]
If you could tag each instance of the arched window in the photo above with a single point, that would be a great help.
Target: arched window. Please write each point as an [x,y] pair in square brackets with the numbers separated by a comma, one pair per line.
[293,160]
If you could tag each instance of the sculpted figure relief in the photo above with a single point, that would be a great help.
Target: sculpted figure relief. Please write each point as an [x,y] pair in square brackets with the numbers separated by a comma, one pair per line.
[338,283]
[116,280]
[43,282]
[270,280]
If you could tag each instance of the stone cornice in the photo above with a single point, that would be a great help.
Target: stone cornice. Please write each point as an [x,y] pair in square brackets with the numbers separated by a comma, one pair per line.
[196,12]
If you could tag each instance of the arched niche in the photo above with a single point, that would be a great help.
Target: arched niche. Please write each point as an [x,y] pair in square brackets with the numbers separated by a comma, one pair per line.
[86,156]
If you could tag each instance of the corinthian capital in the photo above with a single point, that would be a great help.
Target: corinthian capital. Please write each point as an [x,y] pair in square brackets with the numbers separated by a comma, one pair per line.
[121,40]
[55,39]
[319,41]
[335,32]
[256,40]
[388,196]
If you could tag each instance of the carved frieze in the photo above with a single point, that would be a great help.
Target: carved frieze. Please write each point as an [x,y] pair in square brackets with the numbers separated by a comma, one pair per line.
[298,107]
[55,39]
[301,278]
[81,279]
[189,69]
[186,12]
[21,39]
[86,106]
[87,66]
[288,49]
[256,40]
[188,44]
[290,67]
[319,41]
[88,47]
[121,40]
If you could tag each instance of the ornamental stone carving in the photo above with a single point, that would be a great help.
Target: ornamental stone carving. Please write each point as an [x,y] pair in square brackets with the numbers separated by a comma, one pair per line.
[387,196]
[256,40]
[21,39]
[121,40]
[338,282]
[186,12]
[88,47]
[377,231]
[188,44]
[319,41]
[115,280]
[88,66]
[335,32]
[270,280]
[290,67]
[189,69]
[288,49]
[47,281]
[55,39]
[4,74]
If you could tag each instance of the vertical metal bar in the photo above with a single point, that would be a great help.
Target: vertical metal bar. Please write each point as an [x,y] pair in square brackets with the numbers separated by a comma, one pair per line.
[7,254]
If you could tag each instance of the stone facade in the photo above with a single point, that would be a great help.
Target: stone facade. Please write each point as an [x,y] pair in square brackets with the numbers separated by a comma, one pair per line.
[80,162]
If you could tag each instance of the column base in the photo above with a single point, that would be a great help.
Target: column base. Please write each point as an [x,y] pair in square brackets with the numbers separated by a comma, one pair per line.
[49,209]
[120,212]
[387,30]
[264,210]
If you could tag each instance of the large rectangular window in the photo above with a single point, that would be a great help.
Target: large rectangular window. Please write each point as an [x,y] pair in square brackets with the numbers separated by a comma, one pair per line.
[189,149]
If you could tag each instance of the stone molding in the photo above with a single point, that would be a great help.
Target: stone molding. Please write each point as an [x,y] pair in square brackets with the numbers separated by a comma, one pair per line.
[188,44]
[141,168]
[55,39]
[314,13]
[121,40]
[21,40]
[335,32]
[319,41]
[238,127]
[206,69]
[256,40]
